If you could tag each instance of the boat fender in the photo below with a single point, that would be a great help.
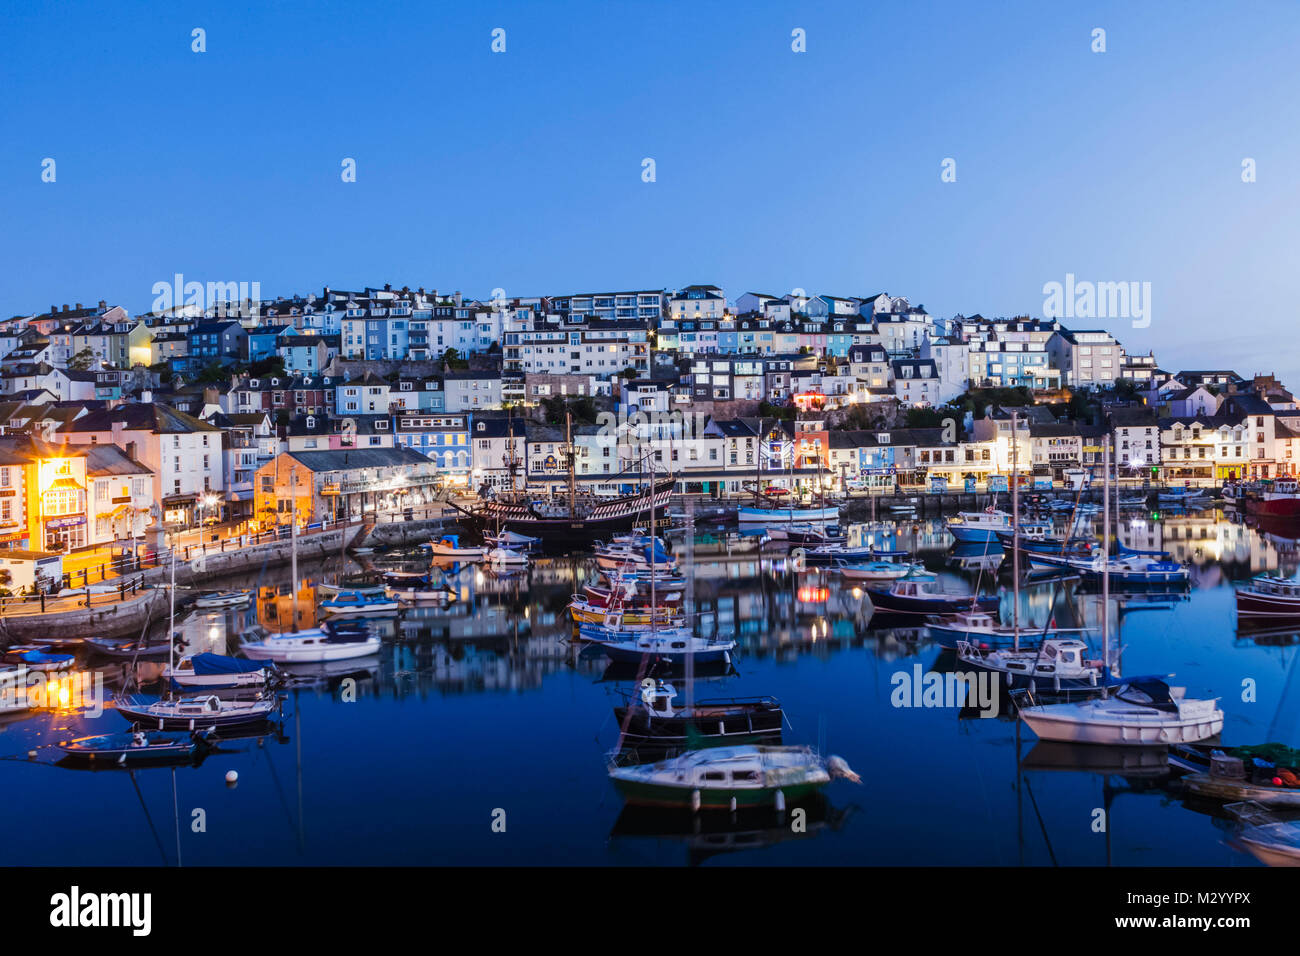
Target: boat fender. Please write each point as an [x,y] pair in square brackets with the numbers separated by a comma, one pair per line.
[1277,781]
[780,801]
[733,804]
[695,800]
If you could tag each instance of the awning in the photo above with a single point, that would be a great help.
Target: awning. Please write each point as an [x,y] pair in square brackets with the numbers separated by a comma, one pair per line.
[239,496]
[115,513]
[64,484]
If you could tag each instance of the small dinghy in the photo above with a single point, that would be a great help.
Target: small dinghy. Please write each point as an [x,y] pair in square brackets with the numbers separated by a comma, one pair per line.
[135,748]
[194,713]
[217,599]
[655,719]
[34,659]
[880,570]
[507,558]
[1270,840]
[513,540]
[217,671]
[414,595]
[726,778]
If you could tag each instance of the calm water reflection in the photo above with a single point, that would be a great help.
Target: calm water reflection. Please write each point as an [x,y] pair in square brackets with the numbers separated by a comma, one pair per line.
[487,704]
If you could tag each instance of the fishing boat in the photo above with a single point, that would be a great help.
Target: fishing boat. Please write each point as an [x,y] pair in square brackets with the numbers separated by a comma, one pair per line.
[449,546]
[350,602]
[217,671]
[1057,663]
[34,658]
[1269,596]
[669,644]
[194,713]
[216,599]
[725,778]
[1268,774]
[135,748]
[312,646]
[979,526]
[907,596]
[1141,712]
[654,718]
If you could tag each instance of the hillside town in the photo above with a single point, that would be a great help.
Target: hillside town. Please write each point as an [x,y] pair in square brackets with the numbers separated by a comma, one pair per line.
[119,428]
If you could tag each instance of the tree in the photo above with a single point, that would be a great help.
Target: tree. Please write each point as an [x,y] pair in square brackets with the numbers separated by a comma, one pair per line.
[82,361]
[451,360]
[926,417]
[271,365]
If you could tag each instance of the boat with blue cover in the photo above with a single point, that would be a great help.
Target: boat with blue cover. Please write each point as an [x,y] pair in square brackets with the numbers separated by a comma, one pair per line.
[979,526]
[219,672]
[35,659]
[353,602]
[1133,568]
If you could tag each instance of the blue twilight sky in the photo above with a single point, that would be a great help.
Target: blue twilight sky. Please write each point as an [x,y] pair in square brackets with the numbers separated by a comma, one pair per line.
[775,170]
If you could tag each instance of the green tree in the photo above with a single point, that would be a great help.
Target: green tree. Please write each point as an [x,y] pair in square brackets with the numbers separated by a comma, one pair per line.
[82,360]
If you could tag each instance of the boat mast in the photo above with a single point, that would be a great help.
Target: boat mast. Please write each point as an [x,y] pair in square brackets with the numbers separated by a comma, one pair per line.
[1105,555]
[568,450]
[1015,531]
[171,625]
[293,542]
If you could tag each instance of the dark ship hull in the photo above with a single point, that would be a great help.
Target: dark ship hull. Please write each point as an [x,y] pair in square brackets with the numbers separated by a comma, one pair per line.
[601,519]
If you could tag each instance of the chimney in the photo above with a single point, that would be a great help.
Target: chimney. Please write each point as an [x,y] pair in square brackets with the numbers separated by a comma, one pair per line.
[130,449]
[65,307]
[455,297]
[78,306]
[146,397]
[102,305]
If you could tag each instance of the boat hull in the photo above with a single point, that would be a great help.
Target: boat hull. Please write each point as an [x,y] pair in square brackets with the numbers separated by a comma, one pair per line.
[787,515]
[1229,790]
[750,725]
[889,603]
[1192,730]
[1254,604]
[659,795]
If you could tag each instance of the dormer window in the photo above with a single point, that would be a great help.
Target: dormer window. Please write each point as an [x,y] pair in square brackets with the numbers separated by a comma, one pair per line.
[311,421]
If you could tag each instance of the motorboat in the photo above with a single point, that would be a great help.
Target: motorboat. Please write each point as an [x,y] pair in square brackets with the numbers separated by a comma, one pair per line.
[1269,596]
[449,546]
[725,778]
[669,644]
[312,646]
[979,526]
[1056,663]
[1140,712]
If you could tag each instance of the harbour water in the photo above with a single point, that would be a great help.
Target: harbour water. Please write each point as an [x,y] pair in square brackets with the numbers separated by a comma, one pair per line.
[478,735]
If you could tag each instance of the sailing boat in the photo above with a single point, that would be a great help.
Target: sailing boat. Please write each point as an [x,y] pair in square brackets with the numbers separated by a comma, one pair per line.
[190,713]
[669,644]
[311,645]
[571,523]
[767,509]
[1142,712]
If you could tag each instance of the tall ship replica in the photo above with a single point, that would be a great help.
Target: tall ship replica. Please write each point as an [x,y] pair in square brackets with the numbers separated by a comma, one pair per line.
[570,519]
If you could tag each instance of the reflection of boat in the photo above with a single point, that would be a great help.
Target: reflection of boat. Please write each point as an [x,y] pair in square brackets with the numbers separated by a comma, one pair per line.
[367,588]
[194,713]
[13,690]
[1094,758]
[222,599]
[1142,712]
[730,777]
[654,719]
[135,748]
[414,595]
[1270,840]
[716,833]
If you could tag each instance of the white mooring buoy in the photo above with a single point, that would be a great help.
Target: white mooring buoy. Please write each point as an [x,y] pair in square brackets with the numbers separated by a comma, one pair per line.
[232,777]
[780,801]
[695,800]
